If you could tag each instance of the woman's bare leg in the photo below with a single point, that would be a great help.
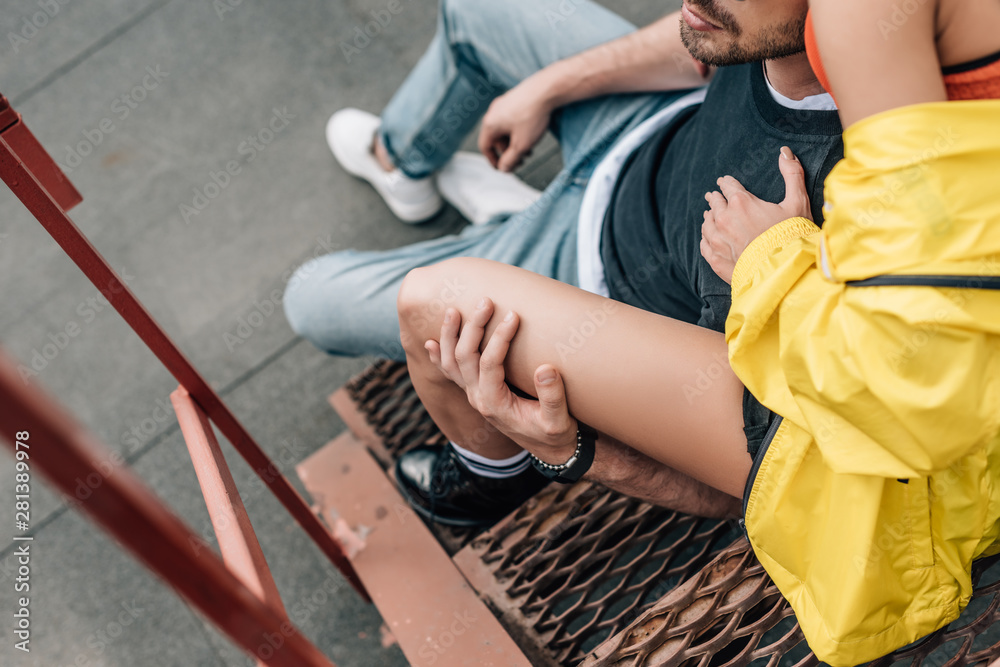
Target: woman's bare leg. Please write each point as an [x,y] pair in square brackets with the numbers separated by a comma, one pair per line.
[663,387]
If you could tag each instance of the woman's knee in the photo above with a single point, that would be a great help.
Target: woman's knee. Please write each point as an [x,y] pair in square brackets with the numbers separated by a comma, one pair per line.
[427,292]
[415,306]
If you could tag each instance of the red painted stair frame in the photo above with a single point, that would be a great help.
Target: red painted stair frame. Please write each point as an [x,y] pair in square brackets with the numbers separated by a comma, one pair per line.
[16,171]
[134,516]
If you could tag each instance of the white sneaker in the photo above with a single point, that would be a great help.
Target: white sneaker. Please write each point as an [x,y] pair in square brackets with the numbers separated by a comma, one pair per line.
[349,133]
[479,192]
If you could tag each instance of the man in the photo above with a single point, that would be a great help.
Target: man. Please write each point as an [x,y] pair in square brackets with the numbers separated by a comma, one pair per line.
[623,217]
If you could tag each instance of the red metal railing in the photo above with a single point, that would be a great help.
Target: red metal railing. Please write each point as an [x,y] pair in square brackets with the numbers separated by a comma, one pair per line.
[133,515]
[246,604]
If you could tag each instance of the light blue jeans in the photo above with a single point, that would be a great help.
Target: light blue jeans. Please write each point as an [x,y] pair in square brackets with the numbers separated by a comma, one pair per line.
[345,302]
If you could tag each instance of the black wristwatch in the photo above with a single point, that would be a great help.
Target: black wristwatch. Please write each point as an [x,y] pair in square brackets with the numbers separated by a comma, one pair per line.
[578,464]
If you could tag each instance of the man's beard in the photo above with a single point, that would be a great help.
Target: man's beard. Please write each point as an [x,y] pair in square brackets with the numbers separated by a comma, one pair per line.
[773,42]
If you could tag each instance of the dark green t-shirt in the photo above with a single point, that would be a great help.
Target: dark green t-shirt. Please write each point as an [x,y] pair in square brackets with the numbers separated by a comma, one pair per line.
[652,231]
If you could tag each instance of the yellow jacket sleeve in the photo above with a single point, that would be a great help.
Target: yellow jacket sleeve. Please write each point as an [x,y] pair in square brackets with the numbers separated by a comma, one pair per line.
[896,381]
[763,280]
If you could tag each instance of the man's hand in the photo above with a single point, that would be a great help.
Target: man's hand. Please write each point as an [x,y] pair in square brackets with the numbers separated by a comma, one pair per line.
[543,427]
[515,122]
[650,59]
[736,217]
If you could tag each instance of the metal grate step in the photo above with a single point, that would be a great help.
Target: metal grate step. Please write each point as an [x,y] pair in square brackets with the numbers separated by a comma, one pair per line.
[581,573]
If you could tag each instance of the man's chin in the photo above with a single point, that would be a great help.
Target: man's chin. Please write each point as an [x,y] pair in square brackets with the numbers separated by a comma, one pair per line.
[702,48]
[719,50]
[725,58]
[711,58]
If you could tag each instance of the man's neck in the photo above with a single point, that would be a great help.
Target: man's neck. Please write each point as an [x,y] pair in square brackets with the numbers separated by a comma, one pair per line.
[792,76]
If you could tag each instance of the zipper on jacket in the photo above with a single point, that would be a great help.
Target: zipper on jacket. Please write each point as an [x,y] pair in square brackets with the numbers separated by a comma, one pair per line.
[962,282]
[755,468]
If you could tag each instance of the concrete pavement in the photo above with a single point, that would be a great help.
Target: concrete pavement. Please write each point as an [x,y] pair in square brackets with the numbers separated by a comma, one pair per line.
[146,103]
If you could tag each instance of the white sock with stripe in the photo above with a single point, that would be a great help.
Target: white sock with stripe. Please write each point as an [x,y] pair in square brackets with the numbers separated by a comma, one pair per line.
[493,468]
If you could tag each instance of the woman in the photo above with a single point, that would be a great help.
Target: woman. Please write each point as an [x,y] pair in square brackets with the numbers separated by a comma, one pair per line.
[877,338]
[879,485]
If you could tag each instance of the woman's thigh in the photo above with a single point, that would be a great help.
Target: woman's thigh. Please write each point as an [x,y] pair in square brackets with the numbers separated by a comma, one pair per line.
[661,386]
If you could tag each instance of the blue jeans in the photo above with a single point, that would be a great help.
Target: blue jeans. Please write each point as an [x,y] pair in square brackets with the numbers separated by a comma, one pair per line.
[345,302]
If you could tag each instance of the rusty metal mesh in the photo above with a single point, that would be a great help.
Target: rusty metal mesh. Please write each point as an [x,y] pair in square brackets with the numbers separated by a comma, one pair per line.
[384,394]
[731,614]
[576,565]
[725,614]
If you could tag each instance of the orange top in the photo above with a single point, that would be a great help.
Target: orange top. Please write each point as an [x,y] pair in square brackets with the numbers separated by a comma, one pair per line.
[977,80]
[812,53]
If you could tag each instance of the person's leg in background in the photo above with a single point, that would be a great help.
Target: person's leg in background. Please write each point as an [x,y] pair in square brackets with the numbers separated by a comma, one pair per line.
[470,61]
[482,49]
[345,302]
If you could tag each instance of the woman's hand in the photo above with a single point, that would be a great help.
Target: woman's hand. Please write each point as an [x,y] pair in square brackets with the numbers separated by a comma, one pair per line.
[736,217]
[543,427]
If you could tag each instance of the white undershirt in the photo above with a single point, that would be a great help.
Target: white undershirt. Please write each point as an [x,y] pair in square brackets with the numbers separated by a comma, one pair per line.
[597,197]
[821,102]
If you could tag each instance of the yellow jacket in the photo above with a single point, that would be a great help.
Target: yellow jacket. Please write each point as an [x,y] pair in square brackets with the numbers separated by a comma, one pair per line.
[881,484]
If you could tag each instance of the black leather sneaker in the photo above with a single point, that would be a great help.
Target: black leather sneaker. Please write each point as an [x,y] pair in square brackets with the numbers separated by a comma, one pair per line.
[440,488]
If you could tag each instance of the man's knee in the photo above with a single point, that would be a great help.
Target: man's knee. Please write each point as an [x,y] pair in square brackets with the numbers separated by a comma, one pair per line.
[424,296]
[456,10]
[317,290]
[298,304]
